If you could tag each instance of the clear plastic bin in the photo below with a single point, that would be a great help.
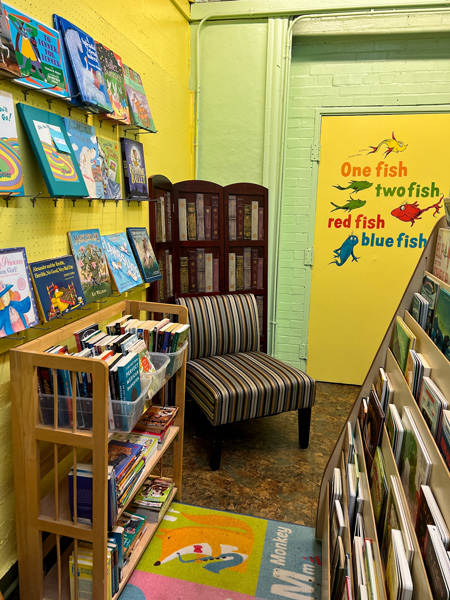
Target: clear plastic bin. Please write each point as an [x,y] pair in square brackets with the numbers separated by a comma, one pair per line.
[175,360]
[157,378]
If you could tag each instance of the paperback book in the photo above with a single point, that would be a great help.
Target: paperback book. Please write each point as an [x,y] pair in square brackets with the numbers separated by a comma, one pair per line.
[38,53]
[9,67]
[58,286]
[441,266]
[122,265]
[84,144]
[91,263]
[11,179]
[143,253]
[110,167]
[429,514]
[419,309]
[112,68]
[53,151]
[135,178]
[140,110]
[17,306]
[402,342]
[430,291]
[440,333]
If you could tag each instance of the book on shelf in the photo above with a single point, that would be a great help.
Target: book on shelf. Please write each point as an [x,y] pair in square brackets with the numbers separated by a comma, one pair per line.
[57,285]
[134,176]
[447,210]
[84,474]
[9,67]
[157,418]
[121,455]
[394,427]
[108,151]
[399,582]
[428,513]
[443,439]
[128,371]
[153,497]
[200,216]
[419,309]
[134,527]
[384,389]
[437,564]
[11,180]
[90,260]
[431,403]
[403,340]
[430,290]
[121,262]
[143,253]
[239,218]
[369,565]
[416,369]
[232,272]
[440,332]
[372,429]
[17,304]
[379,489]
[112,68]
[395,518]
[338,570]
[441,264]
[140,112]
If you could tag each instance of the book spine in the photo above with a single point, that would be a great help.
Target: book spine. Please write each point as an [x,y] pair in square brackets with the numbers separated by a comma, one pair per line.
[163,219]
[200,269]
[232,217]
[184,275]
[247,221]
[240,219]
[158,221]
[208,222]
[208,272]
[260,277]
[191,221]
[261,223]
[254,219]
[254,268]
[200,210]
[168,202]
[169,273]
[260,307]
[161,282]
[247,253]
[232,272]
[239,272]
[182,219]
[216,275]
[192,257]
[215,217]
[126,178]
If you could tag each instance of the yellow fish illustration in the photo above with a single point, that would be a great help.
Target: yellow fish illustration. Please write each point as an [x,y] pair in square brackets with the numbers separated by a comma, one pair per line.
[392,145]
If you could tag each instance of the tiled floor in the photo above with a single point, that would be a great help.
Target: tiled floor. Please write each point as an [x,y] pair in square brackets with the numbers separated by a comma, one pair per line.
[263,471]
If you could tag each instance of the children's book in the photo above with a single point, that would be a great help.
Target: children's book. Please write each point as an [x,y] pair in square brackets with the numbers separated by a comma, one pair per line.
[9,67]
[129,378]
[11,179]
[72,86]
[91,263]
[17,306]
[121,261]
[430,291]
[84,144]
[372,429]
[133,161]
[38,53]
[441,266]
[431,403]
[440,332]
[443,440]
[110,166]
[402,342]
[112,68]
[58,286]
[121,454]
[143,253]
[53,151]
[86,67]
[140,110]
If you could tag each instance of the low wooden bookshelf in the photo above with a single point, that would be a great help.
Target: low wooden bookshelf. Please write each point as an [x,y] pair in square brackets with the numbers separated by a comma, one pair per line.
[440,476]
[44,455]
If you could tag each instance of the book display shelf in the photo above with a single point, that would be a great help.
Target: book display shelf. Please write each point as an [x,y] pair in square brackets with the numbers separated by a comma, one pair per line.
[45,454]
[439,480]
[218,240]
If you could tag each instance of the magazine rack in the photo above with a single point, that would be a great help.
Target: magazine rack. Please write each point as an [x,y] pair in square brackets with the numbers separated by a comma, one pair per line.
[44,455]
[440,476]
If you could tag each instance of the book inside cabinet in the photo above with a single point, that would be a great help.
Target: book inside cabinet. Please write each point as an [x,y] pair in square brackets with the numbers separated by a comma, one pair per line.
[44,454]
[439,478]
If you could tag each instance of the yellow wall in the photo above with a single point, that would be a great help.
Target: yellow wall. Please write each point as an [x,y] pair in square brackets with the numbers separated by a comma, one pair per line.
[153,38]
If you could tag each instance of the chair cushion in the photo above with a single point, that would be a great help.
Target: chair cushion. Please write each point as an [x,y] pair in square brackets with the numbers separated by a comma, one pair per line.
[222,324]
[236,387]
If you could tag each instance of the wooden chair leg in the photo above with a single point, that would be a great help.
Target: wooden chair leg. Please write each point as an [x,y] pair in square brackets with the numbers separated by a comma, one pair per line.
[216,448]
[304,424]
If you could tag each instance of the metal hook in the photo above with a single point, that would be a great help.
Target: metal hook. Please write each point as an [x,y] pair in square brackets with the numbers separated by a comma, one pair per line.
[74,201]
[7,198]
[90,202]
[42,328]
[55,201]
[101,301]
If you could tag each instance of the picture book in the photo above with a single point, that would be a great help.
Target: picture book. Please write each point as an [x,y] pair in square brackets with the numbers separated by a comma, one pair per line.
[140,110]
[110,167]
[58,286]
[447,210]
[135,179]
[143,253]
[157,418]
[129,378]
[430,291]
[121,454]
[38,53]
[86,67]
[431,404]
[91,263]
[53,151]
[11,179]
[72,86]
[121,261]
[437,564]
[402,342]
[153,493]
[378,488]
[441,265]
[17,306]
[429,514]
[443,440]
[112,68]
[372,429]
[9,67]
[440,332]
[84,144]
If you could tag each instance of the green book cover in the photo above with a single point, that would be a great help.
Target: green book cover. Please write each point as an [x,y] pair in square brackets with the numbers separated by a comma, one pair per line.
[403,340]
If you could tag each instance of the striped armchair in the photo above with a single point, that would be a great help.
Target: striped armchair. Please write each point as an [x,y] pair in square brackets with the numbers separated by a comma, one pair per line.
[229,378]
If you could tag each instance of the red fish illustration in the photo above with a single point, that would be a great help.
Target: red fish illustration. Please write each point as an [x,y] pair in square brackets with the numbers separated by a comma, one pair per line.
[411,212]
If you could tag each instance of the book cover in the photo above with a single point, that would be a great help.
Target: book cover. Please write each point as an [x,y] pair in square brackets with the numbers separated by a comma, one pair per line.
[90,260]
[129,378]
[443,440]
[121,454]
[109,152]
[430,291]
[11,179]
[58,286]
[9,67]
[38,53]
[84,144]
[140,110]
[378,488]
[157,418]
[402,342]
[86,67]
[53,151]
[121,261]
[440,332]
[112,68]
[372,429]
[437,564]
[133,161]
[153,493]
[72,86]
[17,306]
[431,403]
[143,253]
[441,265]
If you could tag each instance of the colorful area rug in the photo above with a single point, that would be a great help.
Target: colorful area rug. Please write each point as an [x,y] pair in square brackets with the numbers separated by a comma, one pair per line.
[203,554]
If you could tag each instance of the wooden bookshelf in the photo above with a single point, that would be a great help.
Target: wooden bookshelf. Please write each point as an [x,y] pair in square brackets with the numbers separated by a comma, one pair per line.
[44,455]
[440,476]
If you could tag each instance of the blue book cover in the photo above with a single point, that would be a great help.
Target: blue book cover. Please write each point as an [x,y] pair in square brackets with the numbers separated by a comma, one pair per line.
[84,144]
[86,67]
[135,178]
[58,286]
[72,86]
[11,179]
[121,261]
[38,53]
[110,165]
[120,454]
[91,264]
[144,254]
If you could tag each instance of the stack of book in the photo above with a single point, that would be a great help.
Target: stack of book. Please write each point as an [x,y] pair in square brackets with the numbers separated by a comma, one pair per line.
[152,499]
[156,422]
[134,527]
[85,494]
[128,461]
